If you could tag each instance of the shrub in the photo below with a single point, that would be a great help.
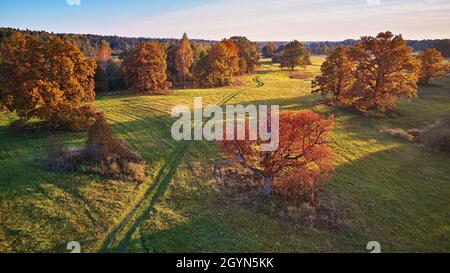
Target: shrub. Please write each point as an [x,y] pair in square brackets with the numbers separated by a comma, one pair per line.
[437,136]
[400,133]
[56,153]
[415,133]
[110,155]
[135,170]
[103,154]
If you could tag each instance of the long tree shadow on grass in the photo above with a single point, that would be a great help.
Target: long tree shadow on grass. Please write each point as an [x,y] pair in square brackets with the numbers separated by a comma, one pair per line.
[140,211]
[397,196]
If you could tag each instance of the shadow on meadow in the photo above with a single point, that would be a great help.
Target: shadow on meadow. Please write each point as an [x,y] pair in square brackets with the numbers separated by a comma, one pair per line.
[397,194]
[381,195]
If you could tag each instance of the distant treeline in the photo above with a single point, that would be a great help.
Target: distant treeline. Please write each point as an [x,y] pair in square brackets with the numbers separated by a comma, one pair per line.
[325,48]
[89,44]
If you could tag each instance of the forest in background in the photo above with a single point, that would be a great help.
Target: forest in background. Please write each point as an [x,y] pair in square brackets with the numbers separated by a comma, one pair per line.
[90,43]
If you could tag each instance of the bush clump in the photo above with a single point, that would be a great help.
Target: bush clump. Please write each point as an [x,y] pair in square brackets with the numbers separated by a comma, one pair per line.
[103,154]
[400,133]
[437,136]
[108,156]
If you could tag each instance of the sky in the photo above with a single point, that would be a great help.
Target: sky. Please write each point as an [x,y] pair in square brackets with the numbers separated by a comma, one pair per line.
[259,20]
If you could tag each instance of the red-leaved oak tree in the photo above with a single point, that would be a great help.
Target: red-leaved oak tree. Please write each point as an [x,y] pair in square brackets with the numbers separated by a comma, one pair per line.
[302,154]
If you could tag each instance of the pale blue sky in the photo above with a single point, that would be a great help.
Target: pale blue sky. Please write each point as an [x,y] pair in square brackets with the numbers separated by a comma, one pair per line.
[216,19]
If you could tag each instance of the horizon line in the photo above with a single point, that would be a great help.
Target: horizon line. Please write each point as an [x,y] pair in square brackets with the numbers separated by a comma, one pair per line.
[206,39]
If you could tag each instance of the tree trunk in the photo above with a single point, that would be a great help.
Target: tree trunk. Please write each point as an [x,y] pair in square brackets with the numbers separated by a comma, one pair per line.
[267,186]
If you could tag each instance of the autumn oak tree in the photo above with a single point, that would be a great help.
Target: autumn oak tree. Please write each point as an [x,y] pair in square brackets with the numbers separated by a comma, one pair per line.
[49,80]
[337,77]
[219,65]
[370,76]
[294,54]
[145,69]
[386,70]
[432,65]
[302,150]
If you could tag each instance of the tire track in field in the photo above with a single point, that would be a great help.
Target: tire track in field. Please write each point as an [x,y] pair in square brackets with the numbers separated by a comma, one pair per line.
[258,81]
[138,213]
[129,224]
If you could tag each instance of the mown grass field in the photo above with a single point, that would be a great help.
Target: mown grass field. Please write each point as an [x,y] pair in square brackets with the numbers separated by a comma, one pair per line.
[388,190]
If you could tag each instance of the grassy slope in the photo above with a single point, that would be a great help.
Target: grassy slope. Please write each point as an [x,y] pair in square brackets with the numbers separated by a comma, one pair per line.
[390,191]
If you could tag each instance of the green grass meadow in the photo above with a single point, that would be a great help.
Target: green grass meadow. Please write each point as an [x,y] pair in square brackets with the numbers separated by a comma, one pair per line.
[387,189]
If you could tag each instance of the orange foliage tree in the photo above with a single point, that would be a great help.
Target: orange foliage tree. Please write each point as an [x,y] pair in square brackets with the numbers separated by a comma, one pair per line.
[337,77]
[370,76]
[145,69]
[50,80]
[302,159]
[432,65]
[386,70]
[184,57]
[219,65]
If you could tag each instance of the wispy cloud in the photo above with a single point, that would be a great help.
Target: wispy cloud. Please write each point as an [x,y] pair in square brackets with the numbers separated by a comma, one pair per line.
[374,2]
[216,19]
[73,2]
[302,19]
